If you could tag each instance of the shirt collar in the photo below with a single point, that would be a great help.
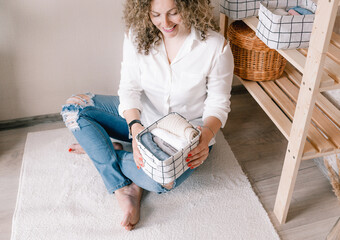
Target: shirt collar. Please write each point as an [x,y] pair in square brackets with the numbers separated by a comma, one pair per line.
[194,37]
[191,41]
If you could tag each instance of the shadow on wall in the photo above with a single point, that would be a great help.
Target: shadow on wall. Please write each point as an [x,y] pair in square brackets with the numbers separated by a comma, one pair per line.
[8,93]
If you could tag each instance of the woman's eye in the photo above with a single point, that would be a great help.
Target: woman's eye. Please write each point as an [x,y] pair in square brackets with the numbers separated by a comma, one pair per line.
[174,13]
[154,15]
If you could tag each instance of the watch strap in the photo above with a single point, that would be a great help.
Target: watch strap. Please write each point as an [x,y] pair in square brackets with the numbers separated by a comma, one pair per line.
[133,122]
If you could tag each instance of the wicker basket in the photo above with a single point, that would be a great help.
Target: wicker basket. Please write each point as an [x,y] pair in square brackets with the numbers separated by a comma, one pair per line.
[253,59]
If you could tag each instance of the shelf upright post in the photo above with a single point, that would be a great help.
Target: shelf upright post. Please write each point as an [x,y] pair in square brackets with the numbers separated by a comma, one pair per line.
[319,41]
[223,25]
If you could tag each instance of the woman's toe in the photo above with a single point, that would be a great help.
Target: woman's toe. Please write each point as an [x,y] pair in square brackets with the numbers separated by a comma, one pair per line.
[117,146]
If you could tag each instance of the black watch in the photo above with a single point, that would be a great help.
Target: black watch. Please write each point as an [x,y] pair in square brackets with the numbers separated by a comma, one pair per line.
[133,122]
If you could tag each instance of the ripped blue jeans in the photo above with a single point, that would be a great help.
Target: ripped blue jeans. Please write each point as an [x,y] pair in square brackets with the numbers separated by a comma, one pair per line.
[93,119]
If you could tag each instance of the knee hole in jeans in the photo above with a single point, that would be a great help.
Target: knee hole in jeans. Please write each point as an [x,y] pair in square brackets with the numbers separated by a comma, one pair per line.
[83,100]
[74,105]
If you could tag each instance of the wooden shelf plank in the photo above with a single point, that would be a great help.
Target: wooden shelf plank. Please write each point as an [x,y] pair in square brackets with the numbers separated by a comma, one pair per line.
[330,66]
[328,108]
[326,88]
[334,53]
[318,117]
[309,150]
[327,83]
[280,98]
[266,103]
[251,22]
[293,56]
[275,114]
[316,155]
[313,135]
[335,39]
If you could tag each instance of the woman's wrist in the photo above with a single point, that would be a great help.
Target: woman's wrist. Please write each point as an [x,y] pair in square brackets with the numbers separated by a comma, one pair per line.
[211,126]
[206,135]
[135,121]
[210,130]
[135,129]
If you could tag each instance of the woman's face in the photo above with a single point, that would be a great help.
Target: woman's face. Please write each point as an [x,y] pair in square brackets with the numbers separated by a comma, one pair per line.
[165,16]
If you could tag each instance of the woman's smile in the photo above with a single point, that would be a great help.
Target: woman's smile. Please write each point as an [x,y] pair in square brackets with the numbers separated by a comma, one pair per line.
[170,29]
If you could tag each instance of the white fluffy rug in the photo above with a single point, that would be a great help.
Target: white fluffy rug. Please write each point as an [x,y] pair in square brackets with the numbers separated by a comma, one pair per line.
[61,196]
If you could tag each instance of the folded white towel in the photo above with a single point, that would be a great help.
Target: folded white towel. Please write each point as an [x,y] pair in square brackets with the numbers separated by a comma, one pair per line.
[175,141]
[280,11]
[165,146]
[177,125]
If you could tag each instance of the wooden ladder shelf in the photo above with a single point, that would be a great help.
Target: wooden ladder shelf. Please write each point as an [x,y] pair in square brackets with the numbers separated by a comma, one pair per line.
[295,104]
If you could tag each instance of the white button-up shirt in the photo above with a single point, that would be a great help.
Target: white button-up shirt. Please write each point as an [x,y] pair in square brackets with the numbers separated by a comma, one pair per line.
[196,84]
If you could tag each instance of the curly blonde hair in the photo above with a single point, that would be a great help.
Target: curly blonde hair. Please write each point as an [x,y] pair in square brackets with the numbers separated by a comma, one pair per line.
[197,13]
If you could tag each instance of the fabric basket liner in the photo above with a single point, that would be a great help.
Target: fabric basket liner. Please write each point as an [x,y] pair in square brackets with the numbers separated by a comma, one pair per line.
[238,10]
[285,32]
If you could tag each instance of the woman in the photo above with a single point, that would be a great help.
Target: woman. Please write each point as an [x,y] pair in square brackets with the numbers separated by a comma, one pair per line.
[173,61]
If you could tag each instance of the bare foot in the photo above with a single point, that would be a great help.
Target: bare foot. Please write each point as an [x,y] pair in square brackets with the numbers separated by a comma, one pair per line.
[129,198]
[76,148]
[168,185]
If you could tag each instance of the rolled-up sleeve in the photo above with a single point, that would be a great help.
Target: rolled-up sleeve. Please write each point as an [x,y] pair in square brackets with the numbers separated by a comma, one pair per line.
[130,86]
[219,81]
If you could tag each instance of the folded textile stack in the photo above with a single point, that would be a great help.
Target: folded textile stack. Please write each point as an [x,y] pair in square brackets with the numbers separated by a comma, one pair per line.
[165,145]
[300,11]
[177,142]
[176,124]
[291,11]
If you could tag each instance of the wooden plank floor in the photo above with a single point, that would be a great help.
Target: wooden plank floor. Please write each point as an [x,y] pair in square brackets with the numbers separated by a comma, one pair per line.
[258,146]
[260,149]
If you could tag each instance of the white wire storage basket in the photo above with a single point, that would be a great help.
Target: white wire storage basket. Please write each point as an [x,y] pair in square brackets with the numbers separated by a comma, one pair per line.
[169,169]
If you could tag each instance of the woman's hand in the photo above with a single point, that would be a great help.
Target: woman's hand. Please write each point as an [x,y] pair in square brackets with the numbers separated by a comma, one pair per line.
[136,128]
[200,153]
[130,115]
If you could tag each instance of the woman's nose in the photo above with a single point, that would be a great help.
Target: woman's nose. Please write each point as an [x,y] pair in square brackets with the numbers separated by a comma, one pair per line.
[166,21]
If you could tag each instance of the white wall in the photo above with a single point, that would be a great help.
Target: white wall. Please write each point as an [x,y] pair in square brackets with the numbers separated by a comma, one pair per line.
[50,49]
